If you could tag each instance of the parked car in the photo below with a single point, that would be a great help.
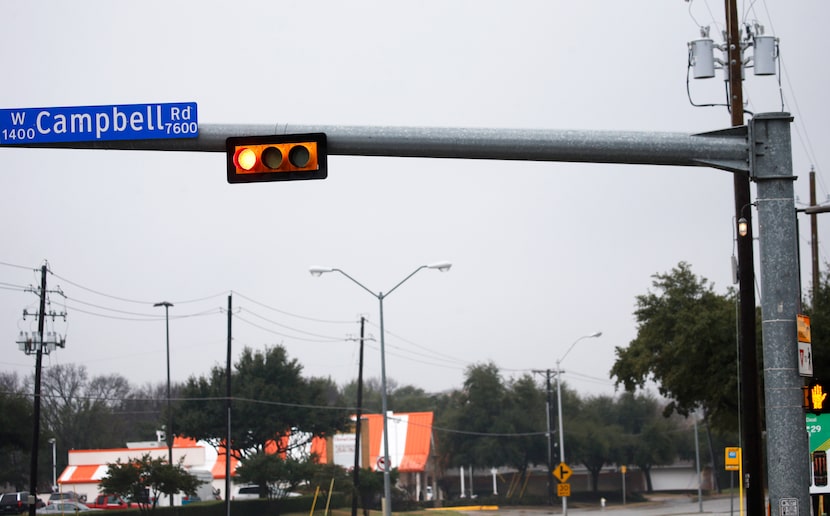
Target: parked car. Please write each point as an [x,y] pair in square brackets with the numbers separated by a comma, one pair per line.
[108,502]
[65,507]
[66,495]
[250,492]
[190,499]
[16,503]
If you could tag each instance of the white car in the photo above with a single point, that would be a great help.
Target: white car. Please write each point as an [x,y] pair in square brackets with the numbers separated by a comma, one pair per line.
[65,507]
[250,492]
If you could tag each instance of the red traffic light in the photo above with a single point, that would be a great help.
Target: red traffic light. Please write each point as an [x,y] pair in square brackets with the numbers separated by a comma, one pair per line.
[276,158]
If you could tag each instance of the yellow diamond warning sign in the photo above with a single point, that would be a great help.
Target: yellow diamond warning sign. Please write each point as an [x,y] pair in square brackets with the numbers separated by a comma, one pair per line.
[562,472]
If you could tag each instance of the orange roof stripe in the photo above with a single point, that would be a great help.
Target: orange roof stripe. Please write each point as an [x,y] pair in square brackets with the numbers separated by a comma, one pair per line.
[375,434]
[418,437]
[81,475]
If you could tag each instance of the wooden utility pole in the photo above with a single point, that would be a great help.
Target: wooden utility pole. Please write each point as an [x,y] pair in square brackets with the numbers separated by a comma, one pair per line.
[748,357]
[814,237]
[41,316]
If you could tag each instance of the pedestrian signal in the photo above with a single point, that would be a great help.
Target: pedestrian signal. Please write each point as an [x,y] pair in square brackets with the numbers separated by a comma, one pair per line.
[815,398]
[288,157]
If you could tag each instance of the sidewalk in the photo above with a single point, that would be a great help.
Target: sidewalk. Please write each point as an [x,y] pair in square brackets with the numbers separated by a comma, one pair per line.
[658,505]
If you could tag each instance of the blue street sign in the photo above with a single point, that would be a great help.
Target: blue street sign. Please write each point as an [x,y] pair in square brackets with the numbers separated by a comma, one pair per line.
[98,123]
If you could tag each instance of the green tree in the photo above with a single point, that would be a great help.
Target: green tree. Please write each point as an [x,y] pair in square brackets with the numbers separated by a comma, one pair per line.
[591,436]
[411,399]
[648,438]
[477,411]
[271,401]
[146,479]
[371,488]
[276,476]
[685,343]
[525,409]
[407,398]
[819,311]
[494,422]
[15,434]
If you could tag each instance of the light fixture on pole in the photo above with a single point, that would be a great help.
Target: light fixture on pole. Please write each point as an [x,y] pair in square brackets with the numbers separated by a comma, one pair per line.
[559,407]
[54,466]
[168,434]
[743,223]
[318,271]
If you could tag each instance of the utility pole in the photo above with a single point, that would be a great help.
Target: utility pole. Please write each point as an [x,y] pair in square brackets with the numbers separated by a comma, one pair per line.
[228,412]
[548,373]
[358,415]
[814,236]
[38,344]
[748,357]
[36,424]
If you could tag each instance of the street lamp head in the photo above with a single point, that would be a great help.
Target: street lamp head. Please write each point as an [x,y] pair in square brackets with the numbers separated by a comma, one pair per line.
[441,266]
[596,334]
[318,271]
[51,440]
[743,226]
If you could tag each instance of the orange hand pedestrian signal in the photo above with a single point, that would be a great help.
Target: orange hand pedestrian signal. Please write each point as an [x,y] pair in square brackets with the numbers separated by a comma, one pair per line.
[815,398]
[818,396]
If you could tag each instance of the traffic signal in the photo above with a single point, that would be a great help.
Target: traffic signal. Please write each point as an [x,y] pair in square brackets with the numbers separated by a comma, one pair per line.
[286,157]
[815,398]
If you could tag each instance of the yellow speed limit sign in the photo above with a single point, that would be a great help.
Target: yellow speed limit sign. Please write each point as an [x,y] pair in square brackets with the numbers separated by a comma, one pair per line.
[563,490]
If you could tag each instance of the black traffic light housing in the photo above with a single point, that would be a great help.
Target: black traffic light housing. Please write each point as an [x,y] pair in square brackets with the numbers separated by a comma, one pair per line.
[285,157]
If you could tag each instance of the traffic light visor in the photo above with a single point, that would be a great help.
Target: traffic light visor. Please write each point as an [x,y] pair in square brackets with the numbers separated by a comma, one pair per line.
[276,157]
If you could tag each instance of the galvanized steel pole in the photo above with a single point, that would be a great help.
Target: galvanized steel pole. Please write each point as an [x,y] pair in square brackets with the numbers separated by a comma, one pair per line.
[788,450]
[724,149]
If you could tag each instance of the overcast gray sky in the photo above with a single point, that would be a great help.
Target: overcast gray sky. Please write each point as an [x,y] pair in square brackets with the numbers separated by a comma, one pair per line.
[543,253]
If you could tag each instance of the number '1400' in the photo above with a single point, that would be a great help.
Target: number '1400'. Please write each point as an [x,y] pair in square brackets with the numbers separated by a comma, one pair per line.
[19,134]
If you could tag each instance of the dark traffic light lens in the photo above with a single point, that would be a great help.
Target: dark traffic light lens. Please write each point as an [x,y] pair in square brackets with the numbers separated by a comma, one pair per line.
[299,156]
[272,157]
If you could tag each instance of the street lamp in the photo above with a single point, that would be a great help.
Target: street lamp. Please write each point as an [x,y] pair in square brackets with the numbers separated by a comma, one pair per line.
[168,434]
[318,271]
[54,467]
[559,404]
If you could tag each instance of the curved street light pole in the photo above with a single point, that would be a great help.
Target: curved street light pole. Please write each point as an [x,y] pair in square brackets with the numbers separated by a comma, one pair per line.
[387,484]
[559,407]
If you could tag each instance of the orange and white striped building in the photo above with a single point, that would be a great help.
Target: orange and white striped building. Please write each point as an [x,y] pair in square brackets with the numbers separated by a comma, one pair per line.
[410,448]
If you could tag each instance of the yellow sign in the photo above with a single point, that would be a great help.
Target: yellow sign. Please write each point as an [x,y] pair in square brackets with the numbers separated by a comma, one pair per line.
[803,324]
[563,490]
[623,469]
[562,472]
[732,459]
